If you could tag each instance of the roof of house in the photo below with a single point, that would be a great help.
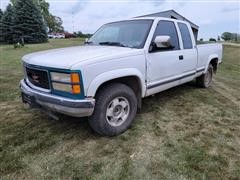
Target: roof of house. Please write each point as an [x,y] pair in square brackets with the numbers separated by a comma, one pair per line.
[171,14]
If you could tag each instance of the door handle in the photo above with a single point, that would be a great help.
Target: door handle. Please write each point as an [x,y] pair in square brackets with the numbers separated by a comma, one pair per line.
[181,57]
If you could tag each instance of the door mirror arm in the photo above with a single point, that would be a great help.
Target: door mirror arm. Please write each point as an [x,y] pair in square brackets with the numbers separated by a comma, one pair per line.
[153,47]
[161,43]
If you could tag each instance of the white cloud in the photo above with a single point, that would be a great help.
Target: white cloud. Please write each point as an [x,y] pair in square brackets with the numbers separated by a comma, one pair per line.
[95,13]
[213,16]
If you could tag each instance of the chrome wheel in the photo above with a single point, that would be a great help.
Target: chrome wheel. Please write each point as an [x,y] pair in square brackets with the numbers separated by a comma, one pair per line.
[117,111]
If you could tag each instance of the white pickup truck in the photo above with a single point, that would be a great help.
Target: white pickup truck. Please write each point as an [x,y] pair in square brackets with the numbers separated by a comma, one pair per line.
[119,65]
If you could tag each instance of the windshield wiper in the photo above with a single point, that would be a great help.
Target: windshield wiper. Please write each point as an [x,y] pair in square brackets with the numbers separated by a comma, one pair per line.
[112,44]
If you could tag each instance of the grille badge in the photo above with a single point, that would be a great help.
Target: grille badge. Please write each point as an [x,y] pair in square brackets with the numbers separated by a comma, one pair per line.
[35,78]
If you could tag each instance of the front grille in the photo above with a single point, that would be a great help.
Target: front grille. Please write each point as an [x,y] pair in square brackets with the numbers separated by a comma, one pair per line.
[38,78]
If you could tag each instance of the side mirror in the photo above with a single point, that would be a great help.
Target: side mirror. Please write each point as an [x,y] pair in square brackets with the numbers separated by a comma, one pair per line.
[163,42]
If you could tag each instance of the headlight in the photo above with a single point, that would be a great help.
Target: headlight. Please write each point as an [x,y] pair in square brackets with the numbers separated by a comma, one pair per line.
[62,87]
[61,77]
[66,82]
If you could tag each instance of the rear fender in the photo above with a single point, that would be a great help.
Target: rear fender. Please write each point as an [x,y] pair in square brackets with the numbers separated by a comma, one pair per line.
[211,57]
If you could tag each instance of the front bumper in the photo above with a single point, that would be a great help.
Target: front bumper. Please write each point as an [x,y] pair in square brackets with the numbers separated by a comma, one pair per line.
[67,106]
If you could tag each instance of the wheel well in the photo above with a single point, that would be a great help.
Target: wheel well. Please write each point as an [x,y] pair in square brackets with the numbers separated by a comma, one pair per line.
[132,81]
[214,63]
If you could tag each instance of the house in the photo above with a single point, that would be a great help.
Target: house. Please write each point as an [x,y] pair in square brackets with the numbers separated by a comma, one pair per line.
[174,15]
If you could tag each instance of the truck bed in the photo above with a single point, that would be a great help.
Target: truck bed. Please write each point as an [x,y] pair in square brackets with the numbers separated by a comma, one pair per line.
[207,52]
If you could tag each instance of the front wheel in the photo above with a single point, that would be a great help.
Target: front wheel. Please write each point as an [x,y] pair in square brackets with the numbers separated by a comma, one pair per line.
[205,80]
[115,109]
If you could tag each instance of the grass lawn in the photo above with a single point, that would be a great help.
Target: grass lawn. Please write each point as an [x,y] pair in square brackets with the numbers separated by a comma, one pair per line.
[182,133]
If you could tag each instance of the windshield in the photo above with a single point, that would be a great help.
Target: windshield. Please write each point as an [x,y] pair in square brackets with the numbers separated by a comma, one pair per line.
[132,33]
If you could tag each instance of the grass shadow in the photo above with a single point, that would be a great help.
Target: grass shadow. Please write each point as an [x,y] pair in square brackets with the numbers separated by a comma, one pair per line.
[160,99]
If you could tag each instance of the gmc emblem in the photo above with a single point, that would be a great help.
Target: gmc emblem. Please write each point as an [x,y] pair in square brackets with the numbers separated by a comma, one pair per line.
[35,78]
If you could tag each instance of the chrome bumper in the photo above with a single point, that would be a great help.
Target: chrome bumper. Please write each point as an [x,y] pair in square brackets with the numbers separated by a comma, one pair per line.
[71,107]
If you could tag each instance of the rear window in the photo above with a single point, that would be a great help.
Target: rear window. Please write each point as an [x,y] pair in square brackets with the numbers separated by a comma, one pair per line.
[186,37]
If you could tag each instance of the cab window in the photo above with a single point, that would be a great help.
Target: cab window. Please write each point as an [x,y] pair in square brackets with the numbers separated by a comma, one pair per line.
[186,37]
[167,28]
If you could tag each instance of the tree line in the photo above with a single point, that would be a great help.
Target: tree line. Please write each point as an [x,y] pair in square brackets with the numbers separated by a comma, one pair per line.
[80,34]
[226,36]
[28,21]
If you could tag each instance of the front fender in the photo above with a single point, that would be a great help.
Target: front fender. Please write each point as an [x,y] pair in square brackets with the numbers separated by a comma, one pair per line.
[114,74]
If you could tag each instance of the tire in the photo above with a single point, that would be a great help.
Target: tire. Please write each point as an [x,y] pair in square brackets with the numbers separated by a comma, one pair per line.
[205,80]
[115,109]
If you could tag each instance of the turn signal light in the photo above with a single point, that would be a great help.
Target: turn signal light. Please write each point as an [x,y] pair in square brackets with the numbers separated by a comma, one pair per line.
[75,78]
[76,89]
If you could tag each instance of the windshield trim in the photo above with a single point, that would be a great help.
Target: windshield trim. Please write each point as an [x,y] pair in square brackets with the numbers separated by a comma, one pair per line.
[145,38]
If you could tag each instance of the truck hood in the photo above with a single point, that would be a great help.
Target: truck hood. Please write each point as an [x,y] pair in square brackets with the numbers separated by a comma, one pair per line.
[65,58]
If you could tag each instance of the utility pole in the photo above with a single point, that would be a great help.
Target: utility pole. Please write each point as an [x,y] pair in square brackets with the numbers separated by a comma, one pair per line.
[72,21]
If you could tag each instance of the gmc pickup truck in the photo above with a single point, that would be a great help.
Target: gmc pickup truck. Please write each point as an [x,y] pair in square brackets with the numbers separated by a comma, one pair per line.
[123,62]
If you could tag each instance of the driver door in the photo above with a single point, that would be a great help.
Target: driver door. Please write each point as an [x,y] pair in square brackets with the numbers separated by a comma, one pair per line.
[163,65]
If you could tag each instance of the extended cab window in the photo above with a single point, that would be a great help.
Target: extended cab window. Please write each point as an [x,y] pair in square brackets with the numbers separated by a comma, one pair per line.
[186,37]
[167,28]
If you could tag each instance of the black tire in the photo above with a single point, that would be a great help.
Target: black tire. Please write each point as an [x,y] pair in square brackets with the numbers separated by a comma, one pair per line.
[99,121]
[205,80]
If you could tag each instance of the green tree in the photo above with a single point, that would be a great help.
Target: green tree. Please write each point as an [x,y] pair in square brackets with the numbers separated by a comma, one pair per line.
[53,23]
[28,22]
[226,36]
[1,14]
[212,39]
[6,25]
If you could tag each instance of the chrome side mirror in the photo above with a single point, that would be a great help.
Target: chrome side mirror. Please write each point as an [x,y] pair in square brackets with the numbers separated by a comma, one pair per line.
[163,42]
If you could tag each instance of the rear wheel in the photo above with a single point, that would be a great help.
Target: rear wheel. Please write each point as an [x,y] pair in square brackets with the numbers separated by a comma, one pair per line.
[205,80]
[115,109]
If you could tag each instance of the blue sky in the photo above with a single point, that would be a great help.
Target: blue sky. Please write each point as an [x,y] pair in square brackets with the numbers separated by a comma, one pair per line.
[213,16]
